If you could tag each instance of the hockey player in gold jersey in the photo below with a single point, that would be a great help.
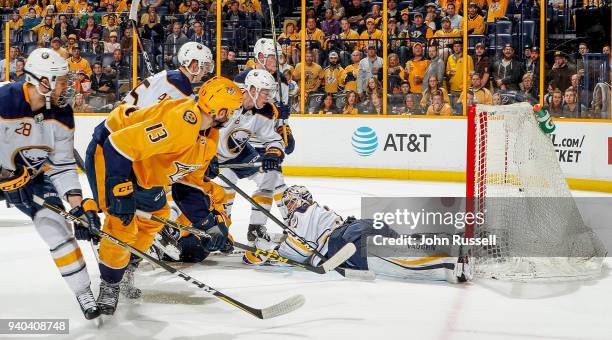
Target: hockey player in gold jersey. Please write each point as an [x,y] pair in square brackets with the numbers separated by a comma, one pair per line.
[136,153]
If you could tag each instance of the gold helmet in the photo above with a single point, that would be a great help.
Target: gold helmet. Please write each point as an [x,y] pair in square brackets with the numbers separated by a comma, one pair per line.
[219,94]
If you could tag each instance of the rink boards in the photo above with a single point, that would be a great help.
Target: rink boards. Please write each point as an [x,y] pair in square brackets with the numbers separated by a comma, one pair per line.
[416,148]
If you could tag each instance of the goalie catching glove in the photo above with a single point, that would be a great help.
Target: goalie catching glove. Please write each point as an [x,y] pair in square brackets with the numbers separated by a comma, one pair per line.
[88,210]
[272,159]
[215,227]
[120,199]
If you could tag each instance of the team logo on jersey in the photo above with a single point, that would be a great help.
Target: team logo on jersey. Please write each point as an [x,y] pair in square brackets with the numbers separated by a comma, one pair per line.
[237,139]
[34,158]
[190,117]
[182,170]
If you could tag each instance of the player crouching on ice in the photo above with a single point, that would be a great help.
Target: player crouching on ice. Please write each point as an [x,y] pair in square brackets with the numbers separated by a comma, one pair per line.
[36,159]
[328,233]
[136,153]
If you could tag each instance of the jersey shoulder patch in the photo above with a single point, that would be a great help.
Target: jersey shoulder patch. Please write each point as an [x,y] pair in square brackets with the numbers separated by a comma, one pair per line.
[177,79]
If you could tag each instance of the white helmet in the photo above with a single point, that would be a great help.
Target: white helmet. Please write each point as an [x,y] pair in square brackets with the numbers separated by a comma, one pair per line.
[195,51]
[261,80]
[45,63]
[266,47]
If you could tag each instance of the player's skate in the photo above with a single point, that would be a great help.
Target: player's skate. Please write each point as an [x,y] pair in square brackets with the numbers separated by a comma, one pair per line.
[108,298]
[462,271]
[127,287]
[88,304]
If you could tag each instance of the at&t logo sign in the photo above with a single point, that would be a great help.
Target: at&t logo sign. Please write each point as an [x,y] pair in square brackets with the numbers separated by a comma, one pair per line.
[364,141]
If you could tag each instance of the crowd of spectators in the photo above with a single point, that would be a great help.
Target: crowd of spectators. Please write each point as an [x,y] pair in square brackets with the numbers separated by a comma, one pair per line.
[344,43]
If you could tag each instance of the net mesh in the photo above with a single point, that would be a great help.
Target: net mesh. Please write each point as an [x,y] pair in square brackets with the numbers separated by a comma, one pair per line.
[526,202]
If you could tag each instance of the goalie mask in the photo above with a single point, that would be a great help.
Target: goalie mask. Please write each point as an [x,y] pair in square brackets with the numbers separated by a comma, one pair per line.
[191,51]
[46,64]
[296,198]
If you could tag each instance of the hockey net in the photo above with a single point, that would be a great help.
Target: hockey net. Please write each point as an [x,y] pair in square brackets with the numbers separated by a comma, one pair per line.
[516,182]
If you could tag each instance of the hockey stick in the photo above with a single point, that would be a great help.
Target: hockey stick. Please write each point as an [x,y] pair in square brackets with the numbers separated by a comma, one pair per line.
[281,308]
[79,160]
[344,254]
[240,166]
[350,273]
[278,77]
[133,17]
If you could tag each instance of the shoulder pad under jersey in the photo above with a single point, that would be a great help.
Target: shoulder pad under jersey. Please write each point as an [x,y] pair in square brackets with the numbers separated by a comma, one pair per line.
[269,111]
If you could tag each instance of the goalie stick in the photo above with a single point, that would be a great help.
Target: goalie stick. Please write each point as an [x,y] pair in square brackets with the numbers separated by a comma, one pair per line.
[281,308]
[349,273]
[340,257]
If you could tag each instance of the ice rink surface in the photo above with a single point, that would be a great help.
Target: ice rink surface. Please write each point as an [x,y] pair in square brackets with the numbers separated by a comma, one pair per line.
[336,308]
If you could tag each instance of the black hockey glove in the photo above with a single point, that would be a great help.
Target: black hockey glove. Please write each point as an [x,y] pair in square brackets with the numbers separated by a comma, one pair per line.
[216,228]
[272,159]
[88,210]
[213,168]
[290,140]
[284,111]
[120,199]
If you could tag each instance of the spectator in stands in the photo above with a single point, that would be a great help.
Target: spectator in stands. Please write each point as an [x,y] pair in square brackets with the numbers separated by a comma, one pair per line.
[110,12]
[174,41]
[63,28]
[289,41]
[419,32]
[44,31]
[410,106]
[72,43]
[405,88]
[394,35]
[392,11]
[445,37]
[319,9]
[90,12]
[152,3]
[73,19]
[76,63]
[451,14]
[229,68]
[96,46]
[13,54]
[507,71]
[347,47]
[434,87]
[533,65]
[101,84]
[350,108]
[561,72]
[416,68]
[454,67]
[312,74]
[555,109]
[368,68]
[371,36]
[396,73]
[331,74]
[482,65]
[82,84]
[151,26]
[16,23]
[327,105]
[337,9]
[438,107]
[80,105]
[435,67]
[373,105]
[234,15]
[330,26]
[476,23]
[348,78]
[198,34]
[30,20]
[314,38]
[481,93]
[111,45]
[571,109]
[126,40]
[89,30]
[497,9]
[431,16]
[528,89]
[56,45]
[404,23]
[19,74]
[373,86]
[118,67]
[355,13]
[376,15]
[31,4]
[112,25]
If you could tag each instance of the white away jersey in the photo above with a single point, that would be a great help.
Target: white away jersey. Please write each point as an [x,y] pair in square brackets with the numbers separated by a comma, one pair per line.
[315,224]
[165,84]
[36,139]
[255,126]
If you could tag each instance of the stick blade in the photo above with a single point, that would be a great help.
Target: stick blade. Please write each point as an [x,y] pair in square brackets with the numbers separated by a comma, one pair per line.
[340,257]
[134,10]
[366,275]
[283,307]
